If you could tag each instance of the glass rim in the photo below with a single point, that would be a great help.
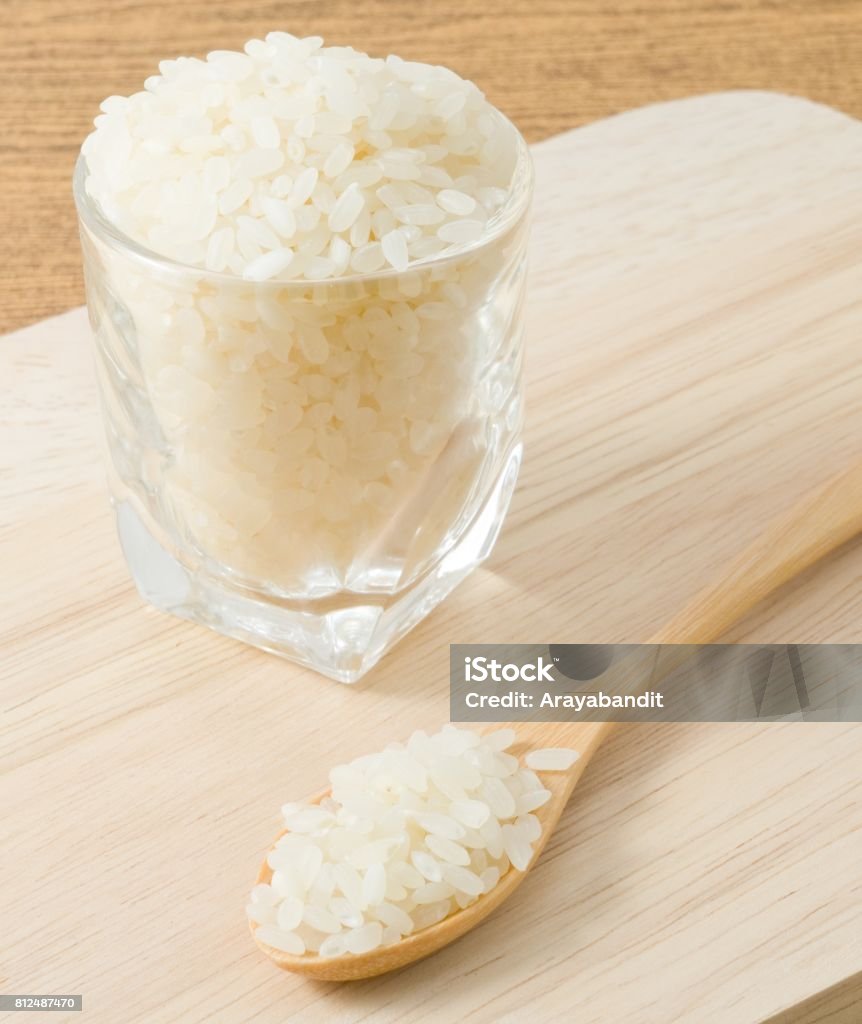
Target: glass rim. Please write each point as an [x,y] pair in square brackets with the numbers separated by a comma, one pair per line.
[516,206]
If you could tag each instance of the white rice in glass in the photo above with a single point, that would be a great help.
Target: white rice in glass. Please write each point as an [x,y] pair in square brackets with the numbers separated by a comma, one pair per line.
[305,272]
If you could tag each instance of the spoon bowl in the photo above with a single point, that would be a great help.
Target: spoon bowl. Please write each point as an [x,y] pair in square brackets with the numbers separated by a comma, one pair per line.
[583,737]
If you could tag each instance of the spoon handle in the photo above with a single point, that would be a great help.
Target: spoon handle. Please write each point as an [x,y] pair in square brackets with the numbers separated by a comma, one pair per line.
[813,528]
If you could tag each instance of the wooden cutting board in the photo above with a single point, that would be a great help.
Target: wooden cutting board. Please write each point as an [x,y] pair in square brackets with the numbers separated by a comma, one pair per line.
[694,364]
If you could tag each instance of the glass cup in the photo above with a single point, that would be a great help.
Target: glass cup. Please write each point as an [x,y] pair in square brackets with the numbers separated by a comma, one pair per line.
[310,466]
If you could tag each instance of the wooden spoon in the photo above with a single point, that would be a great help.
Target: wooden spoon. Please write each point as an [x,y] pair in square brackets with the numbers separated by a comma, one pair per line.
[811,530]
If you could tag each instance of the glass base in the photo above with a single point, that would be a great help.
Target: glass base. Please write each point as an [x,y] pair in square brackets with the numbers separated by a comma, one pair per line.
[342,637]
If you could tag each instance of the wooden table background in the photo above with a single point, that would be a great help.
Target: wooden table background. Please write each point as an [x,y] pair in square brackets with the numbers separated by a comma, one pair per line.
[549,64]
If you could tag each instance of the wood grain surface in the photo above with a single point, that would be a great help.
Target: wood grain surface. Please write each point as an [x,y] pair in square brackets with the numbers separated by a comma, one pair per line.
[695,311]
[549,64]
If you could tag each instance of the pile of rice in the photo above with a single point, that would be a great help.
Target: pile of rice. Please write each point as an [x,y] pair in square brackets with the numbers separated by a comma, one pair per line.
[295,160]
[285,412]
[408,836]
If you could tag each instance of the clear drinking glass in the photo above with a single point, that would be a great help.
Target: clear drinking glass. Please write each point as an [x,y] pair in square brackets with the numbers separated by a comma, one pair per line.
[310,466]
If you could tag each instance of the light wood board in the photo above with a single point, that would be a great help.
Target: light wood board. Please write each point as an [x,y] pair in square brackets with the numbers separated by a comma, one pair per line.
[694,364]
